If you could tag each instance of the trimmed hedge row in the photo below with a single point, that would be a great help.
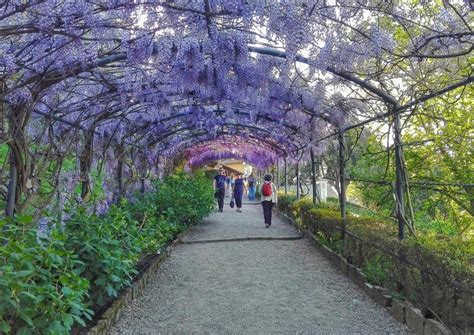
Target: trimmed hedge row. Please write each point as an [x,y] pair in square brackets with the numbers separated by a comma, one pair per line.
[433,272]
[52,284]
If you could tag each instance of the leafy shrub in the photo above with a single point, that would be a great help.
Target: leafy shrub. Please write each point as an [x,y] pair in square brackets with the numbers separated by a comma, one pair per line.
[429,225]
[378,269]
[108,247]
[47,287]
[304,204]
[285,203]
[40,287]
[183,198]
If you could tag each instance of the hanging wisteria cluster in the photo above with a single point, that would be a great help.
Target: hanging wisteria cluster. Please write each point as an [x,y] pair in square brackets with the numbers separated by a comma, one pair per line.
[124,87]
[259,154]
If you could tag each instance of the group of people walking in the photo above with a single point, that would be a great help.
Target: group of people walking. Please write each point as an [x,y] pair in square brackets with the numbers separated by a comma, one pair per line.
[235,188]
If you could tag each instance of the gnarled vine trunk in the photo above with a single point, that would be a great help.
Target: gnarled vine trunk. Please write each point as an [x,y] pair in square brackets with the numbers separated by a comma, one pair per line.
[18,158]
[86,165]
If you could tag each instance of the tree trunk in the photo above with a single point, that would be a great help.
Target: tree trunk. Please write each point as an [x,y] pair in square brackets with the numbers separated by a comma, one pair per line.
[12,187]
[400,181]
[86,165]
[342,180]
[18,158]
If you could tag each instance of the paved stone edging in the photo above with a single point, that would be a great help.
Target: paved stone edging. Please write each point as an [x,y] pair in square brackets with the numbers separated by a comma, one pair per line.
[113,313]
[239,239]
[400,310]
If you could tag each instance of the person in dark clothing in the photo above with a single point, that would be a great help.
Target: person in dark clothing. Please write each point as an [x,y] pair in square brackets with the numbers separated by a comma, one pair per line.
[239,188]
[219,188]
[269,198]
[228,188]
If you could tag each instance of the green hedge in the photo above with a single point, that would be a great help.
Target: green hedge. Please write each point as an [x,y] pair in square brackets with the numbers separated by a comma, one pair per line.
[49,287]
[433,271]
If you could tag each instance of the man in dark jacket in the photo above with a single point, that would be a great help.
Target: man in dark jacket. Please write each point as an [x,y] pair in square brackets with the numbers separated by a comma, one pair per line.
[219,188]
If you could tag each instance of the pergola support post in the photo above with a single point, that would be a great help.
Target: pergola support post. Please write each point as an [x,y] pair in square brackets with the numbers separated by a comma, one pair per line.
[342,180]
[316,196]
[298,192]
[278,173]
[142,186]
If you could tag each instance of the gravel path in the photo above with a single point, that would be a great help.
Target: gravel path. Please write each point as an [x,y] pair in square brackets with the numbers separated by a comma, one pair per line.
[252,287]
[231,224]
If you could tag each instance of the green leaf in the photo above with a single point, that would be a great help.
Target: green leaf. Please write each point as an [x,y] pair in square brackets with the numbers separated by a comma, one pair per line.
[25,219]
[57,328]
[67,291]
[4,327]
[41,322]
[27,319]
[29,295]
[79,320]
[56,259]
[76,306]
[114,278]
[24,331]
[23,273]
[68,320]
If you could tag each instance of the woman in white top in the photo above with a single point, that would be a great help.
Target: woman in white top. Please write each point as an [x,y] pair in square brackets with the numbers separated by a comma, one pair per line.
[269,197]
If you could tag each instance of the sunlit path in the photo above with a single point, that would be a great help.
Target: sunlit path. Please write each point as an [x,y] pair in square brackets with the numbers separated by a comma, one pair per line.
[280,286]
[232,225]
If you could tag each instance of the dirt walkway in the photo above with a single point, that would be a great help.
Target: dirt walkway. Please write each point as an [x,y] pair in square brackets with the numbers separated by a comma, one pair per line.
[252,287]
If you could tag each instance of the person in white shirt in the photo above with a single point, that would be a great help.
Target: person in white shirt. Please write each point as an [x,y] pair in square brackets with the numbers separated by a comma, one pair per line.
[269,197]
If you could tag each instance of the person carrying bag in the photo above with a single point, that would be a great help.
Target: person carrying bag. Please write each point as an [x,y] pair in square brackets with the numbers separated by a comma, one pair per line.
[268,198]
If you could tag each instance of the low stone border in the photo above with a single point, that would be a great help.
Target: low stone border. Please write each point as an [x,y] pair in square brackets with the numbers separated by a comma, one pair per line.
[400,310]
[113,313]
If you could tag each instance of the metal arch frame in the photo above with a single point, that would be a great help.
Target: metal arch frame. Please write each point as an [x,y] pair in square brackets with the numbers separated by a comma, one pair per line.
[255,140]
[176,131]
[190,143]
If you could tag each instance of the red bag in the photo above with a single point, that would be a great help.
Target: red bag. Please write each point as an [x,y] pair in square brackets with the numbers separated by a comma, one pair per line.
[267,189]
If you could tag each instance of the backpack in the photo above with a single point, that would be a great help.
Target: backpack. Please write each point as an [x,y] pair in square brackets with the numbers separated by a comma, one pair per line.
[267,189]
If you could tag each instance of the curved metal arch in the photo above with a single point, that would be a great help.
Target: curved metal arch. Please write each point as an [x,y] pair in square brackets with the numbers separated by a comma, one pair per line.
[277,148]
[189,142]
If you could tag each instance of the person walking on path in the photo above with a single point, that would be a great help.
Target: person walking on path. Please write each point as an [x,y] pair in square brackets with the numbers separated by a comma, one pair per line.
[219,188]
[239,188]
[232,179]
[228,187]
[268,198]
[252,181]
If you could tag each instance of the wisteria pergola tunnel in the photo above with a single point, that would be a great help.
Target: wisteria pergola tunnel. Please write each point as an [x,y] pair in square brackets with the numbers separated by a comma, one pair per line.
[130,86]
